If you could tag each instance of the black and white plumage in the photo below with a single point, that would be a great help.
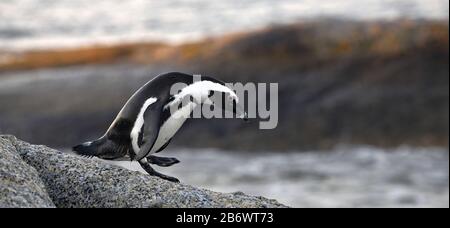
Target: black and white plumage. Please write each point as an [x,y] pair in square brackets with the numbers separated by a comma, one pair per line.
[147,122]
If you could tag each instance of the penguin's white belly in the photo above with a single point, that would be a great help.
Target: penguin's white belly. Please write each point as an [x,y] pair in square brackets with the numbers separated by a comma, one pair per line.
[171,127]
[166,132]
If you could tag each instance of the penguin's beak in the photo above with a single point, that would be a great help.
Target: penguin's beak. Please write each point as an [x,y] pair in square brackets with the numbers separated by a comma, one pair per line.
[244,117]
[241,113]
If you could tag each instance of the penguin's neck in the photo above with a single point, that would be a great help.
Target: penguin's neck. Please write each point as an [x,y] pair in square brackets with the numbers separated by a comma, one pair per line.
[184,112]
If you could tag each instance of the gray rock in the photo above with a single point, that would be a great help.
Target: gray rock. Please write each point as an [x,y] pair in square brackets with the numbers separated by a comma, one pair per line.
[20,184]
[72,181]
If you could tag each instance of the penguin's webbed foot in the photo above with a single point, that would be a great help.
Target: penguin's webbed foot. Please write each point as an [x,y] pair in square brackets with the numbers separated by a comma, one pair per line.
[146,166]
[162,161]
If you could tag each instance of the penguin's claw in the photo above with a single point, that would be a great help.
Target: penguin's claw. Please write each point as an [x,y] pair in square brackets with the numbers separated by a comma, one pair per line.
[168,178]
[86,156]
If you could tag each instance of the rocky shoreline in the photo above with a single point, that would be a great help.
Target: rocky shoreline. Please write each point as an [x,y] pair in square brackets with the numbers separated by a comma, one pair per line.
[38,176]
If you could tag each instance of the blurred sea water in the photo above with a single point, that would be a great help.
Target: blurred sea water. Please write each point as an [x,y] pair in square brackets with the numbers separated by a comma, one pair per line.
[32,24]
[347,177]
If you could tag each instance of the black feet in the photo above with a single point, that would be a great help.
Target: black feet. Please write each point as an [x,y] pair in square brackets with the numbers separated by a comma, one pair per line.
[146,166]
[161,161]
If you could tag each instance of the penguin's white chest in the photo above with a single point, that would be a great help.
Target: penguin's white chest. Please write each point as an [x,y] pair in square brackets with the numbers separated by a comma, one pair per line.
[171,126]
[139,122]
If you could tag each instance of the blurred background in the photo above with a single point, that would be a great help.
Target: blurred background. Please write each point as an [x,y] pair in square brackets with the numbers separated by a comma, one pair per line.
[364,89]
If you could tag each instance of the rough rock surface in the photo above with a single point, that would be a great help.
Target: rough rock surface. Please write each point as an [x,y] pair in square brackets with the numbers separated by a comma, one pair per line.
[72,181]
[20,185]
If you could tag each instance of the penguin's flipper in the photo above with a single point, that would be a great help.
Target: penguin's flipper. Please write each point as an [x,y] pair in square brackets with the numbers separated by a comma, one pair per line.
[163,147]
[152,121]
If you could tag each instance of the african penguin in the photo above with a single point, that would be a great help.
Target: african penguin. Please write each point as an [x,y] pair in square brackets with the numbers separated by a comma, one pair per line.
[153,115]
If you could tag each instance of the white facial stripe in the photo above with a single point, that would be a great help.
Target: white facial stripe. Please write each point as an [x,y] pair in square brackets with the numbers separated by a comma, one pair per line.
[201,89]
[134,135]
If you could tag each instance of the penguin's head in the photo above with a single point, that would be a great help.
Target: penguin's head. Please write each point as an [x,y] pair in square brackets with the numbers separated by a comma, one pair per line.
[228,101]
[210,92]
[216,93]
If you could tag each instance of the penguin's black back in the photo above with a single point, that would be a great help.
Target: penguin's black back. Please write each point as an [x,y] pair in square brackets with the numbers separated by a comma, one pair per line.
[117,139]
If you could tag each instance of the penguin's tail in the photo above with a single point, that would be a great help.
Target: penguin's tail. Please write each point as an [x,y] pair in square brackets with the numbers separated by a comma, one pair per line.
[89,149]
[102,148]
